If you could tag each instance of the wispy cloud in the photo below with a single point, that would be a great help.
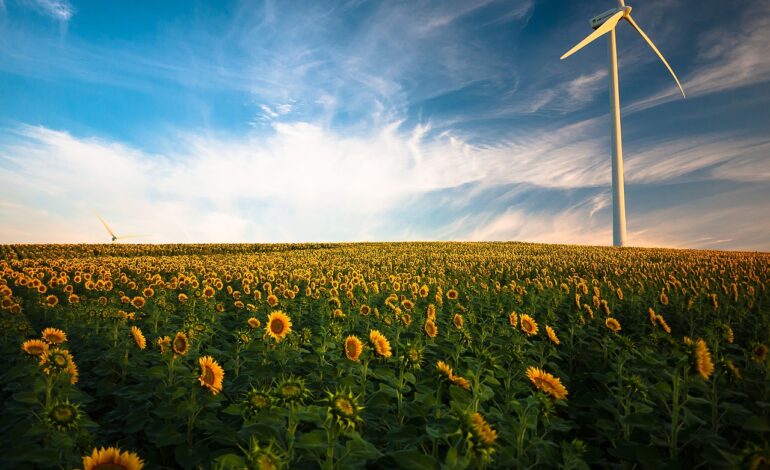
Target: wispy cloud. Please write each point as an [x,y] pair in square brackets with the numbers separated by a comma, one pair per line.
[61,10]
[726,58]
[290,185]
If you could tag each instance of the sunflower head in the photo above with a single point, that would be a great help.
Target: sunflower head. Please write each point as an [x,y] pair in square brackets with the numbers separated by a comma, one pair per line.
[51,301]
[256,401]
[444,370]
[343,409]
[612,324]
[547,383]
[513,319]
[451,294]
[703,362]
[380,344]
[63,416]
[265,458]
[278,325]
[552,335]
[164,344]
[211,375]
[139,338]
[458,321]
[138,302]
[528,325]
[412,356]
[181,344]
[461,382]
[35,347]
[54,336]
[430,328]
[353,348]
[112,458]
[759,353]
[291,391]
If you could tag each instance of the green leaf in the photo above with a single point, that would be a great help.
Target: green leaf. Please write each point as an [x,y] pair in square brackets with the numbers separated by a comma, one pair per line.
[413,459]
[756,423]
[314,441]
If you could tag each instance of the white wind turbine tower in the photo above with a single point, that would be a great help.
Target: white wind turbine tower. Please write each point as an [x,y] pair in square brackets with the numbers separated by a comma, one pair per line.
[603,24]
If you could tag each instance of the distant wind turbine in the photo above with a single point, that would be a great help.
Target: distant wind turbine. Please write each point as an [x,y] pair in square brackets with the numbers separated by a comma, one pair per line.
[603,24]
[112,234]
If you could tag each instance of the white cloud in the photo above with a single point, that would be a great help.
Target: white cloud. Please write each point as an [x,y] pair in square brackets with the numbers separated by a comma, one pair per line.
[60,10]
[727,58]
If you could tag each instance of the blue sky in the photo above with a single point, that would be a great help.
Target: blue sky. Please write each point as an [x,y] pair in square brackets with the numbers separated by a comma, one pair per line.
[380,120]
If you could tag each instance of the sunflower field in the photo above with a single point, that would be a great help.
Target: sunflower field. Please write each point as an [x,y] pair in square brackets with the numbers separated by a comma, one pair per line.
[383,355]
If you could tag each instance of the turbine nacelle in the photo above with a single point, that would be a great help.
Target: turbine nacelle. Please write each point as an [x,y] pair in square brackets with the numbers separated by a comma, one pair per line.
[599,20]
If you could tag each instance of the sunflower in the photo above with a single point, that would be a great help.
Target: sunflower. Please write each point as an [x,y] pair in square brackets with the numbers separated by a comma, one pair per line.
[35,347]
[663,324]
[208,292]
[703,359]
[265,458]
[211,374]
[148,292]
[461,382]
[63,416]
[430,328]
[547,383]
[54,335]
[254,323]
[112,458]
[364,310]
[59,360]
[552,335]
[380,343]
[424,291]
[353,348]
[733,370]
[139,337]
[272,300]
[182,297]
[338,313]
[51,301]
[729,335]
[482,431]
[291,391]
[444,370]
[181,344]
[513,319]
[451,294]
[458,321]
[431,312]
[612,324]
[653,316]
[528,325]
[278,325]
[343,409]
[759,353]
[256,401]
[138,302]
[164,344]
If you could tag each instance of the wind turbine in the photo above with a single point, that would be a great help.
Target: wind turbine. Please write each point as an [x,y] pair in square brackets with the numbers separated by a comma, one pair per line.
[603,24]
[112,234]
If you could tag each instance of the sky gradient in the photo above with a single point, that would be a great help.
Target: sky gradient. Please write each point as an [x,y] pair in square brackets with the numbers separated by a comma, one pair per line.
[223,121]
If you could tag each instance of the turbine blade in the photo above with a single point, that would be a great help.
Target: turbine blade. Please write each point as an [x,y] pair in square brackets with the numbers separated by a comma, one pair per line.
[649,41]
[105,224]
[605,28]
